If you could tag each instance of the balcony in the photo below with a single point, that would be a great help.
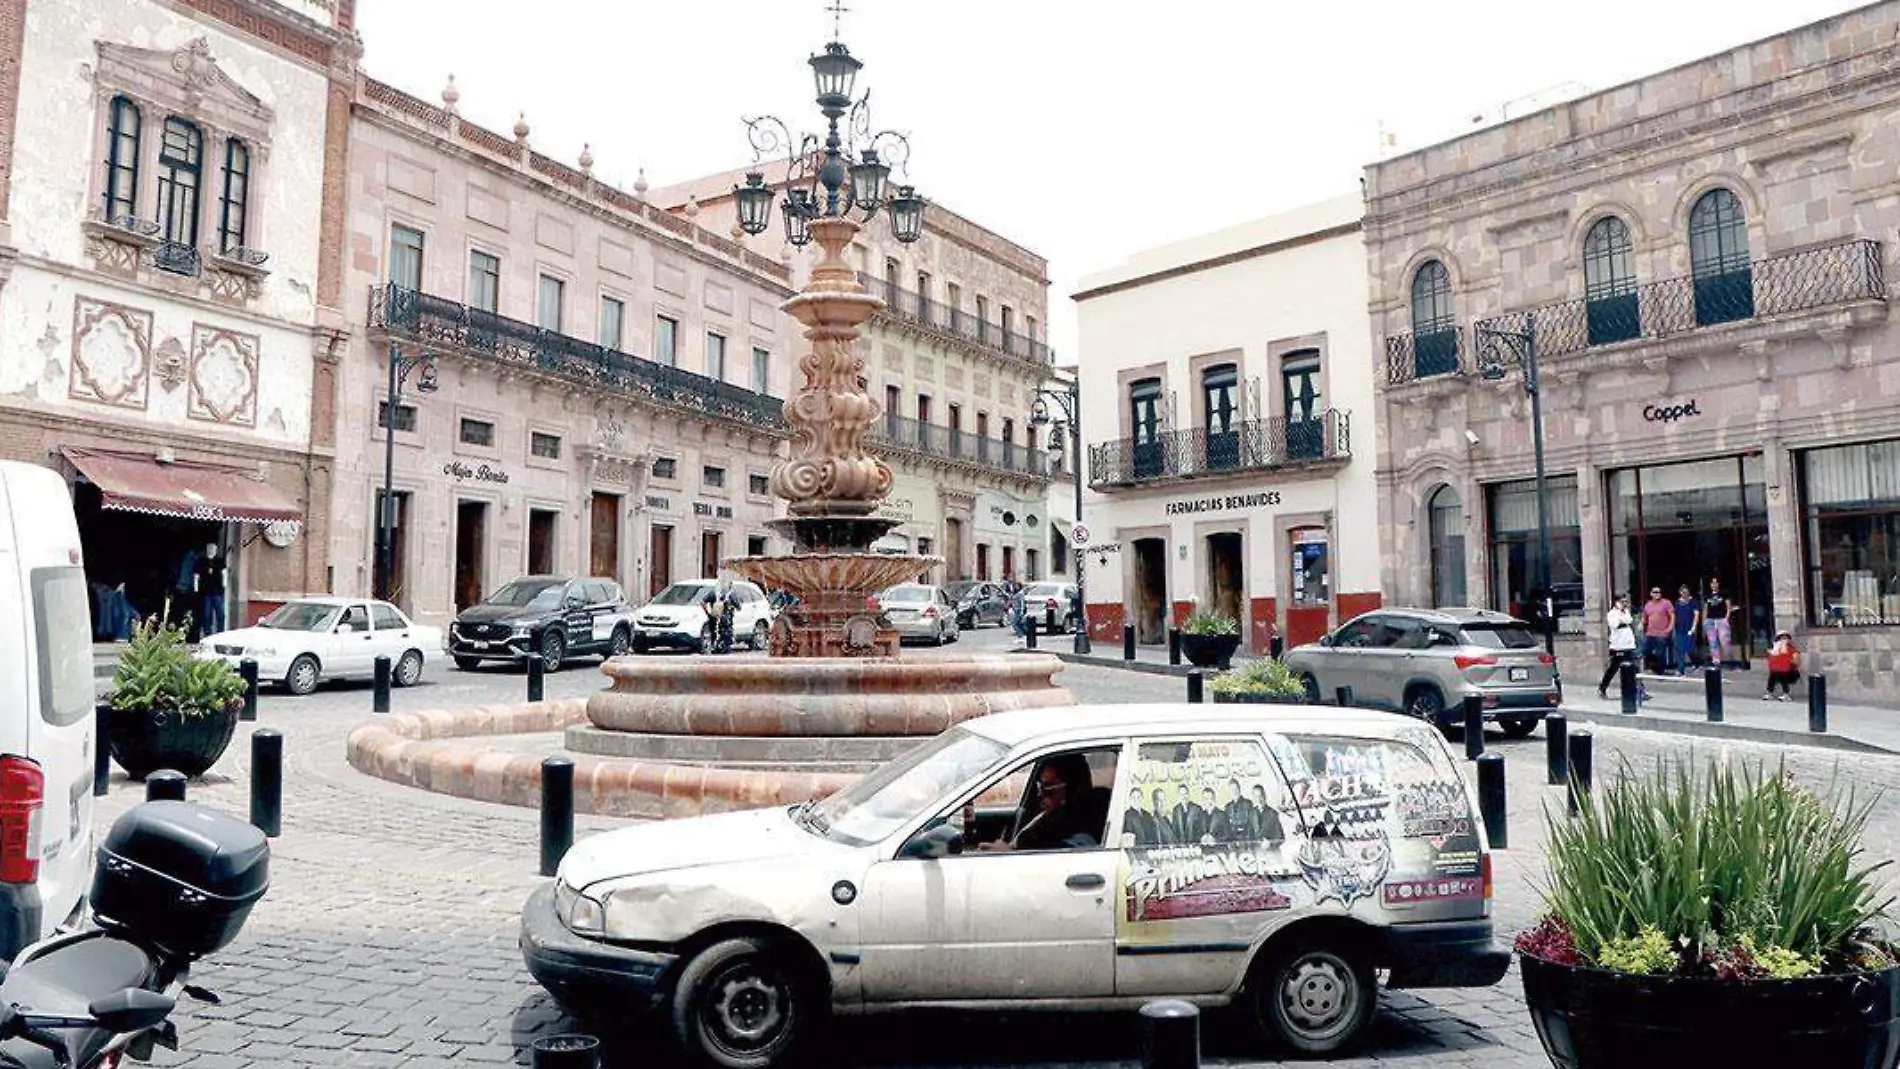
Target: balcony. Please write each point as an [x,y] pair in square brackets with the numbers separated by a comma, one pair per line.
[509,343]
[1198,452]
[911,307]
[943,443]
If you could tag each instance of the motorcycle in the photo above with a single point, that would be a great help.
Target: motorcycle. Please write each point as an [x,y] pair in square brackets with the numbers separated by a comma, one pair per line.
[173,883]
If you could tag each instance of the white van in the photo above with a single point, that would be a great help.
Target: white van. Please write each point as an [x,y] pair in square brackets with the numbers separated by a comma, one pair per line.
[46,707]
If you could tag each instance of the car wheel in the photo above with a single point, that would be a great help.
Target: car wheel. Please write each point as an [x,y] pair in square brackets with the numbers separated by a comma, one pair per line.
[622,642]
[553,650]
[761,636]
[1426,704]
[640,644]
[409,669]
[1517,727]
[1312,997]
[943,635]
[1311,683]
[304,675]
[742,1004]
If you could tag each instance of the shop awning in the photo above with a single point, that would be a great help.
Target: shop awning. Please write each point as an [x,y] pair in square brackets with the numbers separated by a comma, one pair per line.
[135,482]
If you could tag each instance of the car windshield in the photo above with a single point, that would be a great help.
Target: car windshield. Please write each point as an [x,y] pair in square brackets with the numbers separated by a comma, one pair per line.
[528,593]
[960,591]
[907,595]
[871,809]
[300,616]
[680,594]
[1512,636]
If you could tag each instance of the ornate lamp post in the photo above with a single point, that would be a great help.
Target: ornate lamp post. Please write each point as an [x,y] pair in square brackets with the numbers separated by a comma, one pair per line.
[1521,348]
[1069,399]
[400,367]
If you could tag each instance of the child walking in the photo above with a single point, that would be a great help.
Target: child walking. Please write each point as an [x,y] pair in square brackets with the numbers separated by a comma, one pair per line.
[1784,668]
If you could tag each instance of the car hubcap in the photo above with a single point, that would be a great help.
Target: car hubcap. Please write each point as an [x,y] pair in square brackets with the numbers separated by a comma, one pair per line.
[551,655]
[306,677]
[1318,994]
[749,1011]
[411,668]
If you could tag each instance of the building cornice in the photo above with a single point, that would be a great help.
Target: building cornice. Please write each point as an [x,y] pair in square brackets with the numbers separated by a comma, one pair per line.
[1197,266]
[286,32]
[166,296]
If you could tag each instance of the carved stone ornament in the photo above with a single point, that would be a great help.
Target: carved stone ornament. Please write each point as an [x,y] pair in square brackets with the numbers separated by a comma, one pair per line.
[112,353]
[186,80]
[223,376]
[169,367]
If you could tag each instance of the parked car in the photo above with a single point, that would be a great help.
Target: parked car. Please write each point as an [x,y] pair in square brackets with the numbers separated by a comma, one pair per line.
[675,618]
[921,613]
[547,616]
[1273,858]
[1039,598]
[1425,662]
[978,603]
[303,642]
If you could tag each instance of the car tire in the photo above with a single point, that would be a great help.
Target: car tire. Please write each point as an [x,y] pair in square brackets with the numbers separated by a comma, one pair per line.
[303,676]
[468,664]
[744,1004]
[761,636]
[1312,997]
[620,645]
[943,635]
[408,669]
[1427,704]
[1311,683]
[553,651]
[1518,727]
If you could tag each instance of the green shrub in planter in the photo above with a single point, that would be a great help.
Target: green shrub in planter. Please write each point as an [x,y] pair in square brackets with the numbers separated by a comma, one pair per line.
[1210,623]
[1263,681]
[169,708]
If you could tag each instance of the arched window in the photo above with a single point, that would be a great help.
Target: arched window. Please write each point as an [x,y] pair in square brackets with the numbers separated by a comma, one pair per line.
[1609,283]
[1434,331]
[1305,412]
[1446,522]
[237,195]
[122,161]
[1718,257]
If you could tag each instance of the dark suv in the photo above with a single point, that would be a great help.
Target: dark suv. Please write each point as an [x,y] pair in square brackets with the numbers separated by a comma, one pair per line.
[546,616]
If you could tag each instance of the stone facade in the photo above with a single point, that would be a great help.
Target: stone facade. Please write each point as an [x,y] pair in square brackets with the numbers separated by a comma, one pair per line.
[1701,256]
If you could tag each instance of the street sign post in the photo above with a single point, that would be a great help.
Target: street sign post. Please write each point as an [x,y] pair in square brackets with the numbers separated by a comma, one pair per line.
[1079,535]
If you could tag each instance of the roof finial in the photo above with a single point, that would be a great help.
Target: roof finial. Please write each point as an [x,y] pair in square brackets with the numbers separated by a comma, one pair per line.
[692,206]
[450,95]
[521,129]
[837,10]
[587,160]
[640,184]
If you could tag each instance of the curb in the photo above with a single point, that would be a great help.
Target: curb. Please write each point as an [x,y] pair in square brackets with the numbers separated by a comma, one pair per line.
[1096,661]
[1726,730]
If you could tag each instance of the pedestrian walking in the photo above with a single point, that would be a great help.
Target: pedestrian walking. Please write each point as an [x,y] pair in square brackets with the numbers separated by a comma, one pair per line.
[1659,631]
[1620,625]
[1715,625]
[1688,625]
[1784,668]
[1018,614]
[720,607]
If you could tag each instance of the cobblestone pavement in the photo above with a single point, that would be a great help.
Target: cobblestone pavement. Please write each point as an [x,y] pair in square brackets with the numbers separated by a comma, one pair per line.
[388,937]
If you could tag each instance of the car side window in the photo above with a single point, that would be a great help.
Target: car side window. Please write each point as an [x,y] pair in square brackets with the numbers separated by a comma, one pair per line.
[354,619]
[1403,634]
[1358,635]
[386,618]
[1057,801]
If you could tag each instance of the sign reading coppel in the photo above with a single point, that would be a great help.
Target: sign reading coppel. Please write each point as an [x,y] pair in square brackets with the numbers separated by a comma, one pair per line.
[1223,503]
[1672,413]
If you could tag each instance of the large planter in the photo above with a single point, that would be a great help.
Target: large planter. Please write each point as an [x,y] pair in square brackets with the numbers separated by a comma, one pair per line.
[1209,651]
[145,741]
[1597,1019]
[1257,699]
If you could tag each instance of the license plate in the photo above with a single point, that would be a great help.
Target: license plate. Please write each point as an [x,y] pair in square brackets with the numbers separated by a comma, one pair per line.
[1520,675]
[480,645]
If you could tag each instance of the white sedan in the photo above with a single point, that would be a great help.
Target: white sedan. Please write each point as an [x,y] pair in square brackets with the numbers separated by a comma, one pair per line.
[309,640]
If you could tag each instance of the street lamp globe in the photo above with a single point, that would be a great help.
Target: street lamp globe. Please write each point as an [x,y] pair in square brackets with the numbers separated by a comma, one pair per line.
[1039,413]
[907,215]
[868,176]
[1492,370]
[799,209]
[427,382]
[755,204]
[834,71]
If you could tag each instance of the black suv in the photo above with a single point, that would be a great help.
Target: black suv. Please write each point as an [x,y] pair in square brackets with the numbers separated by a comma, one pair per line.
[547,616]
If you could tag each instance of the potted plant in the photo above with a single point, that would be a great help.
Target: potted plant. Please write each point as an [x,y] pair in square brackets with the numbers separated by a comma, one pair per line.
[1712,917]
[168,708]
[1263,682]
[1208,639]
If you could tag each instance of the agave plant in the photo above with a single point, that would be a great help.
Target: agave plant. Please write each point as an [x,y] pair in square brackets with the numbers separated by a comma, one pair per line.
[157,673]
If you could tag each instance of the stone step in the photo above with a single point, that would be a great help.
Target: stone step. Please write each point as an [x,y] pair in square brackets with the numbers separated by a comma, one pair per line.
[854,753]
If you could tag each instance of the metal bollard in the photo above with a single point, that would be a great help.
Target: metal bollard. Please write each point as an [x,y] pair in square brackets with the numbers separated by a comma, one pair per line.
[557,812]
[1817,703]
[247,669]
[165,786]
[1275,647]
[1491,799]
[537,673]
[267,782]
[379,702]
[1128,642]
[1343,695]
[566,1052]
[1626,677]
[1196,686]
[101,753]
[1474,727]
[1579,767]
[1712,692]
[1049,619]
[1170,1035]
[1556,748]
[1174,645]
[1029,632]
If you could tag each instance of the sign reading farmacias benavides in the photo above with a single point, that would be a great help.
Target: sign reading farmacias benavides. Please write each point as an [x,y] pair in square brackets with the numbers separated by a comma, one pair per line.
[1223,503]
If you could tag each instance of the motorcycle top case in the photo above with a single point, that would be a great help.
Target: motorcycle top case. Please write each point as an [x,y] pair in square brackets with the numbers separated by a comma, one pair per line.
[179,878]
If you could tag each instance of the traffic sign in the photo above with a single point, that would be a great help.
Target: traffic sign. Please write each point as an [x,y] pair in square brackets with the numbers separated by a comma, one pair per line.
[1079,535]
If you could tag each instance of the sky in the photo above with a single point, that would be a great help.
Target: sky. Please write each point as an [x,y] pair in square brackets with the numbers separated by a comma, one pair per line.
[1084,130]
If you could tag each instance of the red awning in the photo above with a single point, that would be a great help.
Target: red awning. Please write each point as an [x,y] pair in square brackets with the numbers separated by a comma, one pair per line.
[135,482]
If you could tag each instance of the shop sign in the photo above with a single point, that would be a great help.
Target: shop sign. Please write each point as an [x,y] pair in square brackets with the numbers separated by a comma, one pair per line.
[701,508]
[897,508]
[482,474]
[1223,503]
[1672,413]
[655,501]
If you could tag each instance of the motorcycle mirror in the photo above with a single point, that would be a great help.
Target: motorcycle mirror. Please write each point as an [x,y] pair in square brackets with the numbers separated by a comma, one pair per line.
[131,1010]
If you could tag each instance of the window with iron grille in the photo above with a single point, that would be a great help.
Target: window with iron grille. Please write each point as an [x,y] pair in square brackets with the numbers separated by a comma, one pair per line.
[712,477]
[1718,256]
[477,432]
[758,485]
[484,281]
[405,417]
[1434,330]
[665,468]
[122,160]
[180,166]
[405,256]
[237,195]
[545,445]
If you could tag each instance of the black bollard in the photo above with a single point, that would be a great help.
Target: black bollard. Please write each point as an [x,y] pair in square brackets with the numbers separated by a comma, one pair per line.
[1556,748]
[1170,1035]
[165,786]
[1343,695]
[247,669]
[1049,619]
[566,1052]
[1817,703]
[557,812]
[267,782]
[1174,645]
[537,682]
[1128,642]
[1275,647]
[1196,686]
[1712,692]
[1579,767]
[1474,727]
[1029,632]
[101,753]
[1491,799]
[379,700]
[1626,677]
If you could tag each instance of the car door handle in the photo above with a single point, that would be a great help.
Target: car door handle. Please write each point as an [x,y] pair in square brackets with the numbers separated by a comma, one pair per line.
[1086,881]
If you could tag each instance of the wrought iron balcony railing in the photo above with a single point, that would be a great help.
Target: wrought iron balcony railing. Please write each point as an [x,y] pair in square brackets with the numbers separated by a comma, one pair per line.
[176,257]
[441,323]
[929,439]
[1256,445]
[1410,357]
[918,308]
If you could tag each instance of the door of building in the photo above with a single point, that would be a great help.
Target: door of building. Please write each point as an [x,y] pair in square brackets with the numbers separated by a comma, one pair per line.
[541,541]
[1009,563]
[398,586]
[1226,576]
[953,566]
[982,560]
[709,554]
[603,534]
[1151,591]
[660,556]
[471,549]
[1309,611]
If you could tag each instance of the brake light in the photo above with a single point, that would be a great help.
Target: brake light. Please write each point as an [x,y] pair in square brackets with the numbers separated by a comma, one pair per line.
[1053,605]
[930,612]
[1465,663]
[871,603]
[1486,863]
[22,796]
[1546,658]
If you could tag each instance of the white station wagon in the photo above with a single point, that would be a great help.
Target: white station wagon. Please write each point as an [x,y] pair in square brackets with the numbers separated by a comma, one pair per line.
[1083,858]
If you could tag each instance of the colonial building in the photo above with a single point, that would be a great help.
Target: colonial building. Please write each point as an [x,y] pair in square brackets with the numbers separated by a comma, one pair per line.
[1226,381]
[955,357]
[1700,259]
[169,281]
[608,377]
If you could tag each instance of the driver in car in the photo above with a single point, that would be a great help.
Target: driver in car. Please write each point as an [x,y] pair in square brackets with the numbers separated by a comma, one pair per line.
[1063,788]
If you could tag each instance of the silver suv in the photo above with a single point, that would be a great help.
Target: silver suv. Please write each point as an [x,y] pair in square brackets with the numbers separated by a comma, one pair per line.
[1425,661]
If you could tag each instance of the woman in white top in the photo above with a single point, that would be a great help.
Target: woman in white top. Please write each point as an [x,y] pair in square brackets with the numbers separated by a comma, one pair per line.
[1621,627]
